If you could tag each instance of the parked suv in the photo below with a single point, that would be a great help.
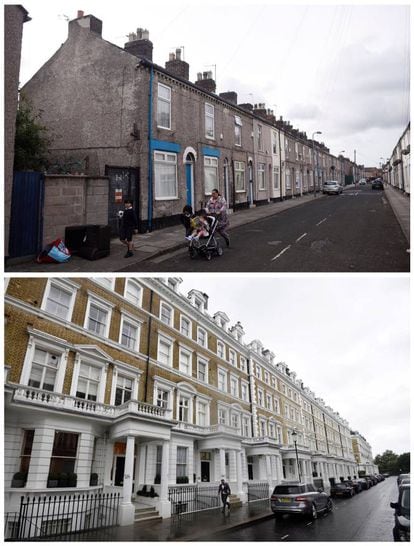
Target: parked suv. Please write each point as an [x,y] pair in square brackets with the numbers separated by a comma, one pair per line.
[332,186]
[342,490]
[299,498]
[401,531]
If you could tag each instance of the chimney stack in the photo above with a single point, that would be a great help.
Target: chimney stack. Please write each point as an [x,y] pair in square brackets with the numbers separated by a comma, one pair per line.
[84,22]
[139,44]
[229,96]
[205,81]
[176,66]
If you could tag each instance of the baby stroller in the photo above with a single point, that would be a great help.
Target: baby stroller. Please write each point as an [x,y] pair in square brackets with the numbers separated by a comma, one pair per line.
[206,246]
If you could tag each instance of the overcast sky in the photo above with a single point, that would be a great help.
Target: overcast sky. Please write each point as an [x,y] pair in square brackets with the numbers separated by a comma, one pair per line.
[347,338]
[339,69]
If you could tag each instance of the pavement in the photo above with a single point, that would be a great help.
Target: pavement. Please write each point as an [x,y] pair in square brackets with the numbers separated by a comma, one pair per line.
[150,245]
[186,527]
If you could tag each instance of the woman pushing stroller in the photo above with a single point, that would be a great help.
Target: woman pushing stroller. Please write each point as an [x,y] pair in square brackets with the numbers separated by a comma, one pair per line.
[217,205]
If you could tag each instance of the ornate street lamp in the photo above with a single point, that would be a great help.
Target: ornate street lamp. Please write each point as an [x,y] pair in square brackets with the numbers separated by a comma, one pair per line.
[294,434]
[317,168]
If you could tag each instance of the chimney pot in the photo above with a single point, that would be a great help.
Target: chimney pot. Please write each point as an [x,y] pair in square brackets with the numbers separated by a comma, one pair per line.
[178,54]
[80,13]
[171,57]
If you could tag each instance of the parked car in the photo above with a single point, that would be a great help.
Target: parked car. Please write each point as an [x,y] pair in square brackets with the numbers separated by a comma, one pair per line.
[355,484]
[377,184]
[364,483]
[401,531]
[402,477]
[299,498]
[405,481]
[342,490]
[362,182]
[332,186]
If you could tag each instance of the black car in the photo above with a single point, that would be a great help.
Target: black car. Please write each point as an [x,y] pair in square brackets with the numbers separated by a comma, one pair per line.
[377,184]
[401,531]
[355,484]
[342,490]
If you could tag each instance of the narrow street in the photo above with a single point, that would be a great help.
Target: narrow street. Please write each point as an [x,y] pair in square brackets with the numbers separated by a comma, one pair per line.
[365,517]
[354,232]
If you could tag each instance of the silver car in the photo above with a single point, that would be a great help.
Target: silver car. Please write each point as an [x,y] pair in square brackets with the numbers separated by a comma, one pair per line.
[332,186]
[300,498]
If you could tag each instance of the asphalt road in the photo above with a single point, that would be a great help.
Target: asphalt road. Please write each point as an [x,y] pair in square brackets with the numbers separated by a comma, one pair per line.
[365,517]
[353,232]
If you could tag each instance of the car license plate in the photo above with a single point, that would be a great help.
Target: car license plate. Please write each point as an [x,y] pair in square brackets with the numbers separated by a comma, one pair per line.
[284,499]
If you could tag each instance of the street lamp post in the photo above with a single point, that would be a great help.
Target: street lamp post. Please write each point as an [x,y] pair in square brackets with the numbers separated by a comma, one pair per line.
[294,434]
[342,165]
[313,149]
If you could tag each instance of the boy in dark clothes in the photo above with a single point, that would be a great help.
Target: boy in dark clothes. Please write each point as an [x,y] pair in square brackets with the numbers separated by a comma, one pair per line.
[128,226]
[186,217]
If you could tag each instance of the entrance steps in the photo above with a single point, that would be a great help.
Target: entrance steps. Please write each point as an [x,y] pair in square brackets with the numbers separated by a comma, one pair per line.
[234,501]
[149,513]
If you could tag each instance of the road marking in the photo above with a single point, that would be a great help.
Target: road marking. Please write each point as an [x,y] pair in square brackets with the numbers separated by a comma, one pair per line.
[310,523]
[280,253]
[321,222]
[301,237]
[283,538]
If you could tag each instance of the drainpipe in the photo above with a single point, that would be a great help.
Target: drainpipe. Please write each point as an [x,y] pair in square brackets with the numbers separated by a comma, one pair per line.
[234,185]
[280,169]
[150,174]
[148,347]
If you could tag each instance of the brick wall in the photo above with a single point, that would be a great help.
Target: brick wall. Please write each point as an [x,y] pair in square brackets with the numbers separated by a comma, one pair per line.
[73,200]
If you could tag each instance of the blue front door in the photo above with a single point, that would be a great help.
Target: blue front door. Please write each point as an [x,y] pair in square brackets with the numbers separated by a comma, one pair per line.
[189,179]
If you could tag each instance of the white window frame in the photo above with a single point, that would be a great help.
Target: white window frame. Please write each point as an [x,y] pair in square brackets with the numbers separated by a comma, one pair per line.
[234,381]
[133,322]
[199,329]
[246,428]
[205,404]
[45,342]
[165,386]
[260,138]
[222,415]
[129,374]
[260,398]
[235,419]
[103,306]
[240,176]
[221,372]
[135,301]
[190,326]
[237,131]
[167,341]
[185,395]
[232,358]
[221,344]
[211,166]
[165,101]
[243,364]
[261,176]
[203,361]
[269,402]
[102,281]
[209,119]
[167,307]
[187,353]
[244,389]
[66,286]
[164,158]
[88,361]
[258,371]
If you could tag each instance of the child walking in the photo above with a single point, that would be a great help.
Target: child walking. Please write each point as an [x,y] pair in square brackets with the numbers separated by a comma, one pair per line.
[128,226]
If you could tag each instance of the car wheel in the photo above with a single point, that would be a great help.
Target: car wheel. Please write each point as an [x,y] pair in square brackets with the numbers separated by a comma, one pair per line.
[329,505]
[314,512]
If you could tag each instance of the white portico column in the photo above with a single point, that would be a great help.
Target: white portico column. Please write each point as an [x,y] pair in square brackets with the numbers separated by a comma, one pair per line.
[127,509]
[164,504]
[222,454]
[239,471]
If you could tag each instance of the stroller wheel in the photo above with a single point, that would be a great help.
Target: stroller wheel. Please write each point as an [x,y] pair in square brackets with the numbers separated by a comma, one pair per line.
[193,253]
[208,255]
[219,251]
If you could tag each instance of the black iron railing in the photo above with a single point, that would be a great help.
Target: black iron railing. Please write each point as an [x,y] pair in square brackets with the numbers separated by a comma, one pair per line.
[192,498]
[40,518]
[257,491]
